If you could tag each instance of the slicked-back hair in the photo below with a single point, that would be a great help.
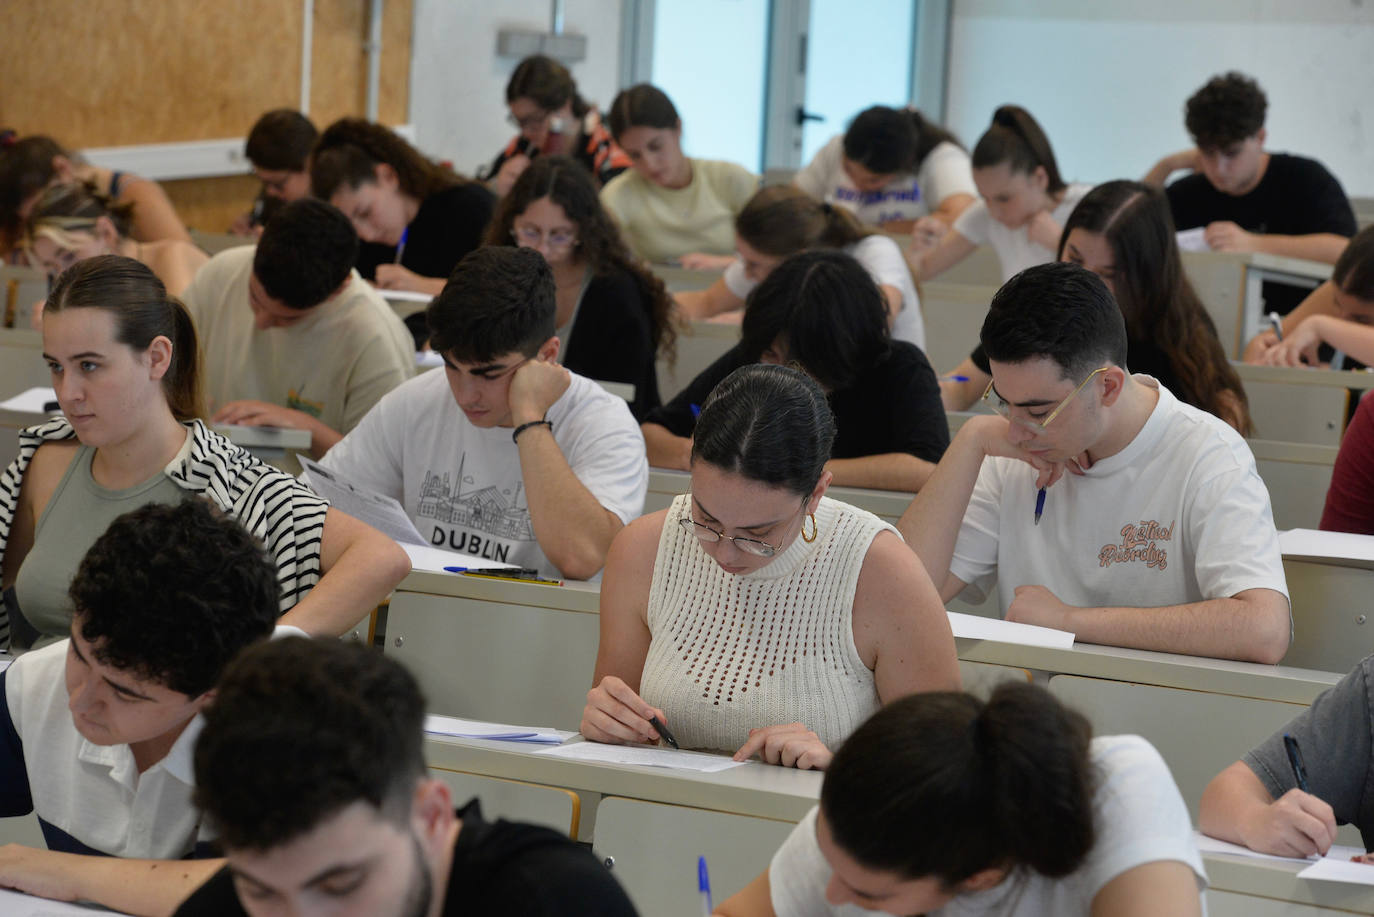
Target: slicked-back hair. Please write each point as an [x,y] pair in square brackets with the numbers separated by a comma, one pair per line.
[281,140]
[825,310]
[642,105]
[1229,108]
[498,300]
[302,729]
[547,83]
[783,219]
[1016,138]
[173,593]
[1060,311]
[943,785]
[1354,270]
[305,254]
[768,423]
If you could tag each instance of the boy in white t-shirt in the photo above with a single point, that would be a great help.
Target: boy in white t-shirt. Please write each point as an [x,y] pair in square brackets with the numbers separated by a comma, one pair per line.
[1160,535]
[505,454]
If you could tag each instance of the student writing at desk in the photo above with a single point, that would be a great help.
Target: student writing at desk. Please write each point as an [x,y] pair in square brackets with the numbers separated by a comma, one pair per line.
[614,317]
[1250,200]
[363,829]
[755,615]
[98,729]
[505,454]
[124,362]
[291,336]
[944,805]
[821,311]
[1162,536]
[416,218]
[1259,802]
[1336,316]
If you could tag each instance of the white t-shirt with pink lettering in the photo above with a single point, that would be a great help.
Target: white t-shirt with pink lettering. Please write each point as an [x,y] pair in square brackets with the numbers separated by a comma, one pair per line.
[1180,515]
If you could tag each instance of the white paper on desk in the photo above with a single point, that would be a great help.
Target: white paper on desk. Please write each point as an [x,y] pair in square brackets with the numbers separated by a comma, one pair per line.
[476,729]
[405,296]
[18,904]
[31,401]
[978,627]
[381,512]
[1337,867]
[1207,844]
[1339,548]
[647,757]
[433,560]
[1193,240]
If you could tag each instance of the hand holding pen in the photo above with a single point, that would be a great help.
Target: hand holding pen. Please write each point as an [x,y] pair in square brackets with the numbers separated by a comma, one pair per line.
[616,714]
[1297,824]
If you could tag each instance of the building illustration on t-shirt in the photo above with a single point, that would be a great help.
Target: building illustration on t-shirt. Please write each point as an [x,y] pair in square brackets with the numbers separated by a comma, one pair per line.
[497,514]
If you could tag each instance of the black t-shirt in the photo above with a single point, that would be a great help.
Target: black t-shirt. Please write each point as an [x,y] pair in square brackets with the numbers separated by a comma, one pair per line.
[448,225]
[1296,197]
[499,868]
[611,340]
[894,406]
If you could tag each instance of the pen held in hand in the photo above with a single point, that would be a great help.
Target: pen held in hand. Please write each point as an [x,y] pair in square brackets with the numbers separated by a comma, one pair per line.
[663,732]
[1290,745]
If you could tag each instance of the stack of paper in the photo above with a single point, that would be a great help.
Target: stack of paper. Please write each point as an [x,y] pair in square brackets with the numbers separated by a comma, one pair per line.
[978,627]
[476,729]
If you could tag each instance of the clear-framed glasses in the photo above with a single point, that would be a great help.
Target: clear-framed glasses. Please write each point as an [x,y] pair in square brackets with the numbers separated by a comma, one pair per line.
[557,239]
[1016,414]
[747,545]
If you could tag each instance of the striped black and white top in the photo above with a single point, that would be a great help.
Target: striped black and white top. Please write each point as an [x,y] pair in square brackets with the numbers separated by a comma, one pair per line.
[284,514]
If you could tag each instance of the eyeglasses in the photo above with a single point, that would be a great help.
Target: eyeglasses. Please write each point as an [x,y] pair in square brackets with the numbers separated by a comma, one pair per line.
[528,121]
[747,545]
[556,238]
[999,404]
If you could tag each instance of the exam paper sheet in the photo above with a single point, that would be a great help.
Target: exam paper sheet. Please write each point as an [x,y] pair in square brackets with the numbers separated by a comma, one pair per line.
[18,904]
[978,627]
[1339,868]
[476,729]
[383,513]
[642,755]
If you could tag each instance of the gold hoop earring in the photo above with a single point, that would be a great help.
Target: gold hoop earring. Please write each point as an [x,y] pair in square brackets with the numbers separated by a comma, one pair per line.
[815,529]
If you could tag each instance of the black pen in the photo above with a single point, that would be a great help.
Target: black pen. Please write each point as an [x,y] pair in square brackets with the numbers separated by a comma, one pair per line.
[1290,745]
[663,732]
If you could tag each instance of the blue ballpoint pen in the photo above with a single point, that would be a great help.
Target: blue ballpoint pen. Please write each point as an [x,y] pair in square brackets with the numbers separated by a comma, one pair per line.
[401,246]
[1039,505]
[704,886]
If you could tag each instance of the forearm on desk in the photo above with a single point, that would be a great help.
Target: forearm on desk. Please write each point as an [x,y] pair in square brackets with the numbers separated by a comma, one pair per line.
[359,566]
[1253,629]
[1325,247]
[899,471]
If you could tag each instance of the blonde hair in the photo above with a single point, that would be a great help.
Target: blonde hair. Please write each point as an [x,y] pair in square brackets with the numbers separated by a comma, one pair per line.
[64,210]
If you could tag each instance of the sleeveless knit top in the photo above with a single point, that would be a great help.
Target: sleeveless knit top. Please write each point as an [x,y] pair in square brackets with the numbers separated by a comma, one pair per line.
[79,512]
[732,652]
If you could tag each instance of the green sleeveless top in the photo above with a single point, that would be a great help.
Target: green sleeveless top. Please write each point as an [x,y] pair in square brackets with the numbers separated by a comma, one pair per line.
[78,513]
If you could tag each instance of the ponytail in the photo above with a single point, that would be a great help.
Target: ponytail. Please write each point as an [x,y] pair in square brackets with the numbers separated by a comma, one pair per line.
[1015,138]
[945,785]
[142,311]
[781,220]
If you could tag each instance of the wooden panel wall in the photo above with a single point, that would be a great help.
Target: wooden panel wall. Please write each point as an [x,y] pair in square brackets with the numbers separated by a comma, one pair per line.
[122,72]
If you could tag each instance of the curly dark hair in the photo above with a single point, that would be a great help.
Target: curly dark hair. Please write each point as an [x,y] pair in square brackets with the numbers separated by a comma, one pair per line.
[305,253]
[350,149]
[565,182]
[1228,109]
[324,724]
[173,593]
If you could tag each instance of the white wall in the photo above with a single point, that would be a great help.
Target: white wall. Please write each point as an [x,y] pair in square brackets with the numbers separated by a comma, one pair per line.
[458,84]
[1107,79]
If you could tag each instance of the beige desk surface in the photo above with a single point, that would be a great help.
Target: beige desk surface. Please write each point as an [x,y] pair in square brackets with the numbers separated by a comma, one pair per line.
[754,789]
[1279,881]
[1217,676]
[1301,375]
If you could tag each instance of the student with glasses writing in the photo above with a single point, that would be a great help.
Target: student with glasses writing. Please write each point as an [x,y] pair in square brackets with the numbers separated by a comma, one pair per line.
[613,317]
[755,615]
[1160,535]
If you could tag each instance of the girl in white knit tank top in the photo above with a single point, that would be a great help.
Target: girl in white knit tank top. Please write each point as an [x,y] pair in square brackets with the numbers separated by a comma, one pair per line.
[754,616]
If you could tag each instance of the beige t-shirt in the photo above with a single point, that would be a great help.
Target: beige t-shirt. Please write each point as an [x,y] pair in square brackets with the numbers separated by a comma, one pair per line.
[660,224]
[334,364]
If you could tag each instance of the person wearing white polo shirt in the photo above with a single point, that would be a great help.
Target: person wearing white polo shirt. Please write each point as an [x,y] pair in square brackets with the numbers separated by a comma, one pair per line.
[96,732]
